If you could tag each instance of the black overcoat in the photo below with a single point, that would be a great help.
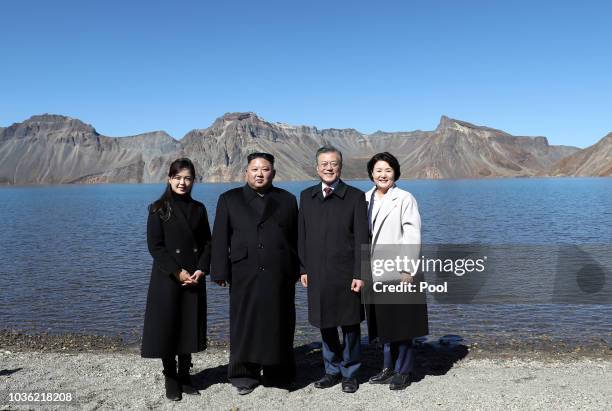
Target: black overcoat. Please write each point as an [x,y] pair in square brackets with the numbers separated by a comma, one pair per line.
[399,322]
[333,231]
[257,255]
[175,317]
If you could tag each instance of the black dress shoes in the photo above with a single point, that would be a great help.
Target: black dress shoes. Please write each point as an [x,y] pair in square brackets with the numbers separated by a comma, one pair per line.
[327,381]
[383,377]
[282,383]
[349,385]
[245,390]
[245,385]
[173,389]
[400,381]
[187,385]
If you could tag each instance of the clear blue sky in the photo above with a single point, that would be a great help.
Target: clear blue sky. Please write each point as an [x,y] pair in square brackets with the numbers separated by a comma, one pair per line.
[126,67]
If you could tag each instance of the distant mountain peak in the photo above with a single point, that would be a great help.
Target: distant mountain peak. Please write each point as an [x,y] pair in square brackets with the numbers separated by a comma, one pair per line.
[451,123]
[56,119]
[47,124]
[47,117]
[240,116]
[447,123]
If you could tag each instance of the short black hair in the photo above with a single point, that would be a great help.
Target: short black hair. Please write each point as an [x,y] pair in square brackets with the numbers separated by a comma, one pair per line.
[390,159]
[328,149]
[265,156]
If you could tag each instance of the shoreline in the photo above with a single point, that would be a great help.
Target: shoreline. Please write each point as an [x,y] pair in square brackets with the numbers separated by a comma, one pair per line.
[542,348]
[314,180]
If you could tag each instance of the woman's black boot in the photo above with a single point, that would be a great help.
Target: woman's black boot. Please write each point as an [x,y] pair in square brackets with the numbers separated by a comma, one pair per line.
[171,382]
[173,388]
[184,364]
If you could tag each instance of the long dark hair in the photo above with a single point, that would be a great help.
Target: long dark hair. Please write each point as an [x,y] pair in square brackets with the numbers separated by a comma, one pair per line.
[162,204]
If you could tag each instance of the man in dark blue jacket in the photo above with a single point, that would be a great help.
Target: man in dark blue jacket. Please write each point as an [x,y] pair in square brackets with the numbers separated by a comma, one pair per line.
[333,227]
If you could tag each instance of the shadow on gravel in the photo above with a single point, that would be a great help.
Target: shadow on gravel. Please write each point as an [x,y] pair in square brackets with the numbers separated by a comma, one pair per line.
[9,372]
[432,358]
[210,377]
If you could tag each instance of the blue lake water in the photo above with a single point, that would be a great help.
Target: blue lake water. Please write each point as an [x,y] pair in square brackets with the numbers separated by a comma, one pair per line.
[73,258]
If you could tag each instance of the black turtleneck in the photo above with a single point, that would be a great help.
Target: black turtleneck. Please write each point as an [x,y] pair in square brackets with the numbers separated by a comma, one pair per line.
[181,203]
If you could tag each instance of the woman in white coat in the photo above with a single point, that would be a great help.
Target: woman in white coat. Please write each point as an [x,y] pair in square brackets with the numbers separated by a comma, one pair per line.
[395,224]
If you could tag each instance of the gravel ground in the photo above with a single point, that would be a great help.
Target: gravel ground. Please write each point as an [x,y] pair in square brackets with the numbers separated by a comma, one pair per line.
[450,378]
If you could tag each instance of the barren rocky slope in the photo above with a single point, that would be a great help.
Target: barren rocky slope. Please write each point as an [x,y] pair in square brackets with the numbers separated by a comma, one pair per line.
[595,160]
[51,149]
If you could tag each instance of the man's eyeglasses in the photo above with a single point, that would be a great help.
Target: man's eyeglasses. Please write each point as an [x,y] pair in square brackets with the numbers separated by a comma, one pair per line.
[325,164]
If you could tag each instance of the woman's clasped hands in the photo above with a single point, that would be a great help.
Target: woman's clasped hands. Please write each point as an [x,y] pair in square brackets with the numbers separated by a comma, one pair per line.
[187,279]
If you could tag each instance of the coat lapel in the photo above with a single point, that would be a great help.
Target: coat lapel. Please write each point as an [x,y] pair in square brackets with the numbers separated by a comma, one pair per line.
[339,191]
[270,207]
[249,195]
[317,191]
[368,194]
[388,205]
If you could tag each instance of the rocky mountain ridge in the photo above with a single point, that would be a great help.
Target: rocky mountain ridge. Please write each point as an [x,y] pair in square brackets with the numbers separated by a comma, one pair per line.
[52,149]
[595,160]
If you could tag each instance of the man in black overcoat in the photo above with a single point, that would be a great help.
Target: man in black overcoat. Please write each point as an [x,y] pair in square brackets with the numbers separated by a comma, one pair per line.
[254,250]
[333,227]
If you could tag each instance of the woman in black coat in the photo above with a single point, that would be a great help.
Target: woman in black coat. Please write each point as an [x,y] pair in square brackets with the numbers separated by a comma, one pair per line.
[178,237]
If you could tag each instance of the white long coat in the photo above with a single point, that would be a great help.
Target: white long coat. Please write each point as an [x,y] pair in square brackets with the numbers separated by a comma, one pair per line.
[397,223]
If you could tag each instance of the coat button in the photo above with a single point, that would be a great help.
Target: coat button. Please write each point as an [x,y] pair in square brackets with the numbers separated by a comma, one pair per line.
[195,250]
[260,245]
[178,251]
[261,268]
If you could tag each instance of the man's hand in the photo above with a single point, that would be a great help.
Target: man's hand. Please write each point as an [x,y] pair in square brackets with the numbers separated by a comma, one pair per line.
[356,285]
[304,280]
[222,283]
